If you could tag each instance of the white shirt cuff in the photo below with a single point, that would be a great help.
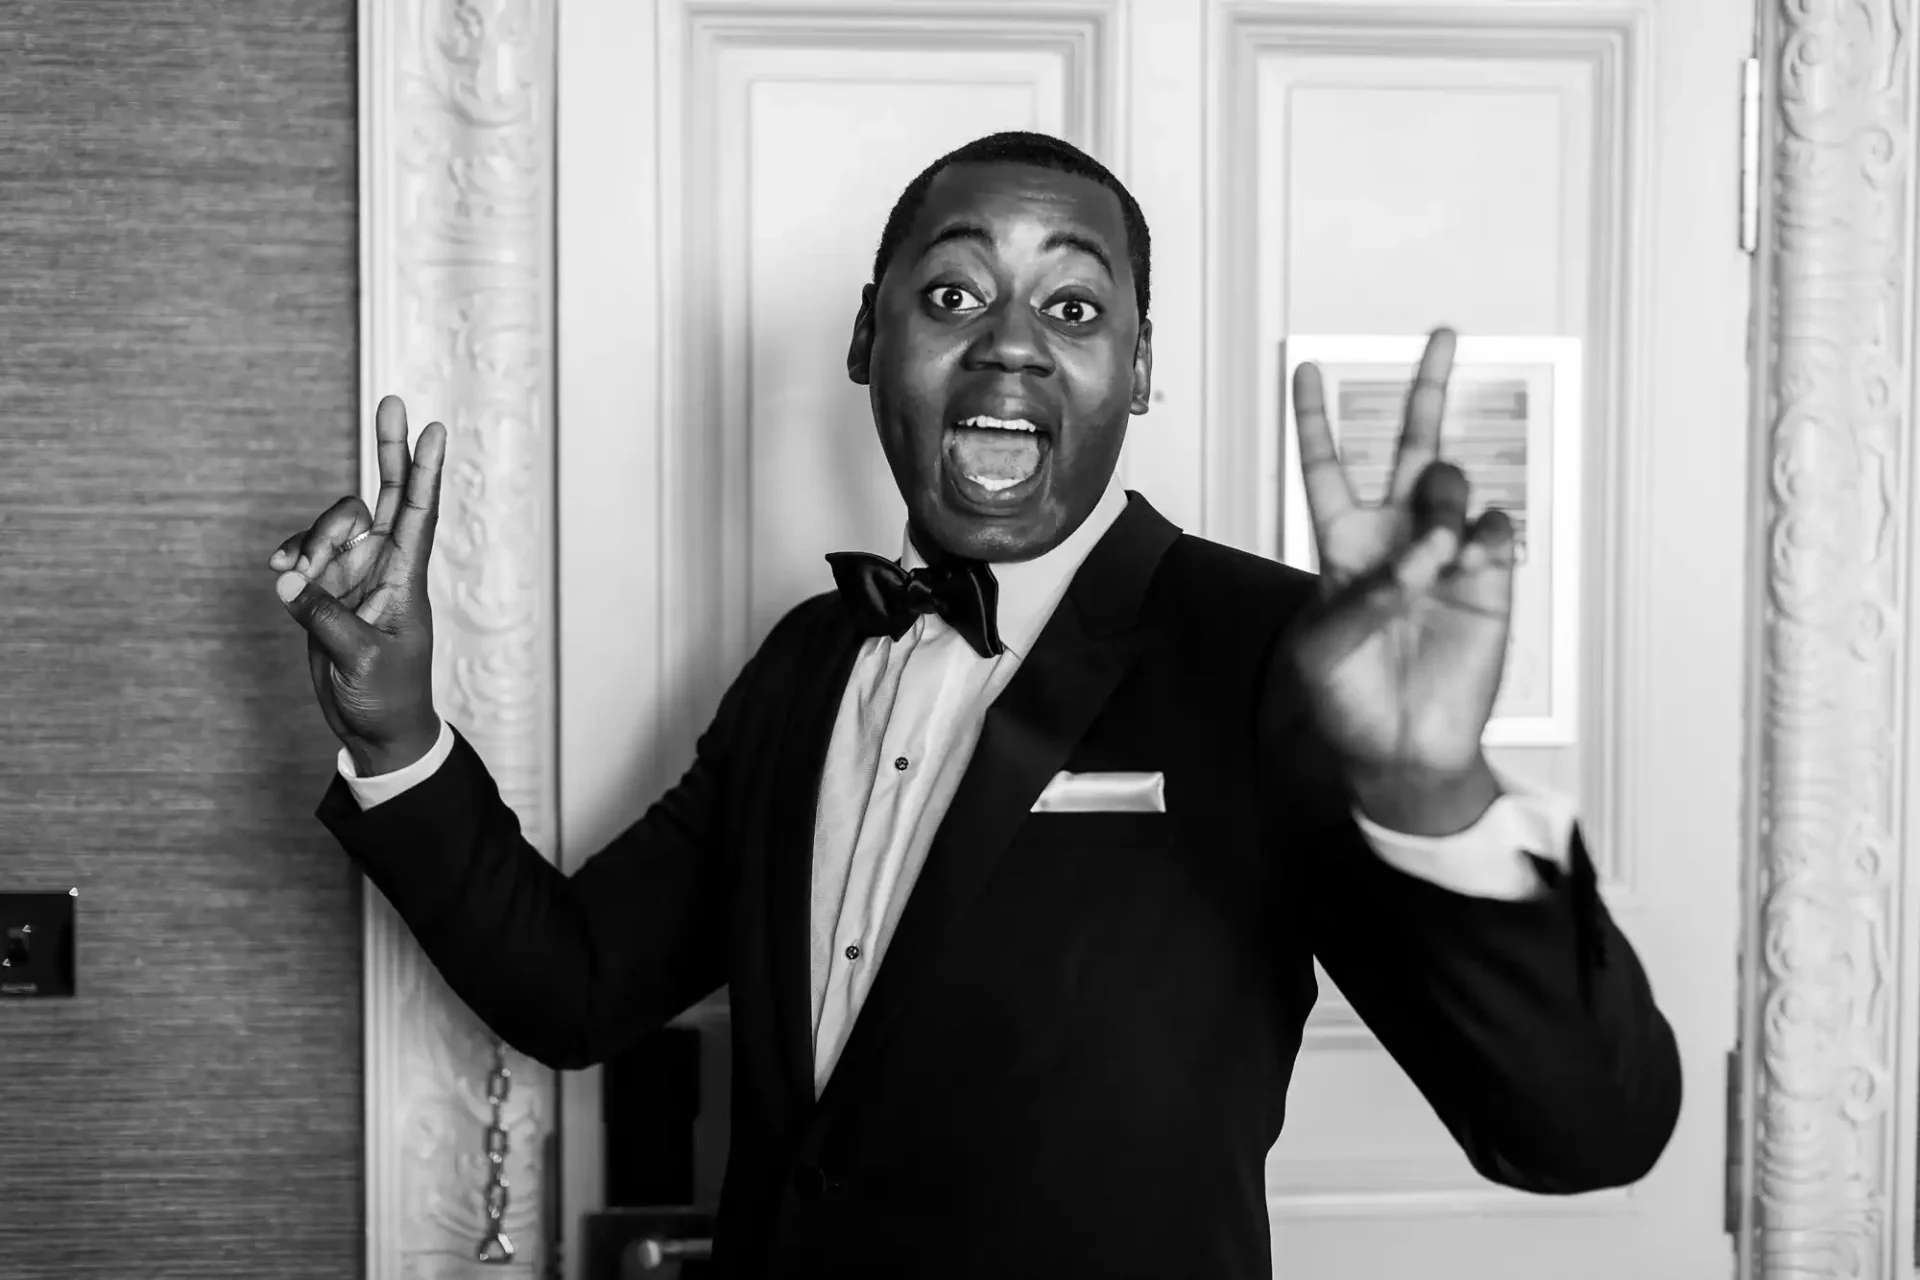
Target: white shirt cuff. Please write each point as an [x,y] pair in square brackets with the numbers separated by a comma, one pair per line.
[382,787]
[1488,859]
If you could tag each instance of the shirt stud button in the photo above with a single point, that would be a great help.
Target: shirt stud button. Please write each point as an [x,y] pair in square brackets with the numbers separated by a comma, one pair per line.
[901,764]
[853,951]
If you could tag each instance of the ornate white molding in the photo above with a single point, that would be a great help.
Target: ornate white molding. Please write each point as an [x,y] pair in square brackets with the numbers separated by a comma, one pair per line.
[1831,1109]
[456,123]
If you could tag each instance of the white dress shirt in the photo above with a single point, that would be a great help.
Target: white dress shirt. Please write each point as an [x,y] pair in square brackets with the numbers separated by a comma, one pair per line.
[905,732]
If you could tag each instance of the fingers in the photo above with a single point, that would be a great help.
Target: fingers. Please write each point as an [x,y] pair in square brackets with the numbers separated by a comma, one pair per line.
[1426,403]
[287,552]
[1329,496]
[420,508]
[311,552]
[1482,579]
[1439,499]
[346,639]
[1422,563]
[1362,607]
[390,432]
[1474,572]
[1471,575]
[323,542]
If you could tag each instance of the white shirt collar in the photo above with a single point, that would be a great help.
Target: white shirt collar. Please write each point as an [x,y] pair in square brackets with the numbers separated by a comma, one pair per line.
[1030,590]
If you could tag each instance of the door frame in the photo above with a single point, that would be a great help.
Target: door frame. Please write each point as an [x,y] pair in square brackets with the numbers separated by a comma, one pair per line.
[1822,1176]
[456,132]
[459,276]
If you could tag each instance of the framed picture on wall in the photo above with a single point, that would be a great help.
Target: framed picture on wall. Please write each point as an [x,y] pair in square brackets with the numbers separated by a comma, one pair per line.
[1512,424]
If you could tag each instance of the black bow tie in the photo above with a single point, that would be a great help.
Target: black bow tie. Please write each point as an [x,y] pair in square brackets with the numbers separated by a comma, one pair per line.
[885,599]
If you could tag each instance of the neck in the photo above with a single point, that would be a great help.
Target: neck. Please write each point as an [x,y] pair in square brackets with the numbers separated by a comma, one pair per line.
[932,552]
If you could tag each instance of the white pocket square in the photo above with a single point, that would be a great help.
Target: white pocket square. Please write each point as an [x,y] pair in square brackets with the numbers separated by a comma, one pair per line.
[1104,793]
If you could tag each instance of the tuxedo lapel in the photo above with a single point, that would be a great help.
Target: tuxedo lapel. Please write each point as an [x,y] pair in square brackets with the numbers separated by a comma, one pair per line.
[1031,729]
[823,668]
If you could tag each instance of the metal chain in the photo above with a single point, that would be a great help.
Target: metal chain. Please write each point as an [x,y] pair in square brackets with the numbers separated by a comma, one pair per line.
[495,1247]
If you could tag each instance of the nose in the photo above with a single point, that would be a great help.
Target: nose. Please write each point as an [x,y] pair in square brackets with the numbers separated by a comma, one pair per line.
[1013,340]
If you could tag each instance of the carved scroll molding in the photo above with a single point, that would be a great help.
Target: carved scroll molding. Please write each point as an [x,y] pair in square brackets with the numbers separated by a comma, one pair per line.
[1831,1063]
[456,120]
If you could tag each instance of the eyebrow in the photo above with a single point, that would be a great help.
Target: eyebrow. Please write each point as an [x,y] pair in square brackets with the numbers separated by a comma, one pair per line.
[973,231]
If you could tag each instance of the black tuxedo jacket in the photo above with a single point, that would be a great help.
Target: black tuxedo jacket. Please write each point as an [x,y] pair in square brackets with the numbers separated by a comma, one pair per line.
[1075,1055]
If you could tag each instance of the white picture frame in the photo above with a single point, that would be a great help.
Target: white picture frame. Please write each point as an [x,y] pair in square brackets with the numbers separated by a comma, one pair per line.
[1518,401]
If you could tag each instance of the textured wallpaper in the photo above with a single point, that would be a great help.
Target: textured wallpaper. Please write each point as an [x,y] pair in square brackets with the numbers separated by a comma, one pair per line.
[177,391]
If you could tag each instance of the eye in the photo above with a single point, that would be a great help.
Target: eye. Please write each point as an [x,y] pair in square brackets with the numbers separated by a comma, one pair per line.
[951,297]
[1073,311]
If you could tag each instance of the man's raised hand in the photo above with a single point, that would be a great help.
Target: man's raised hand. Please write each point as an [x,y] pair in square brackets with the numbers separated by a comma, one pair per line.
[364,603]
[1403,659]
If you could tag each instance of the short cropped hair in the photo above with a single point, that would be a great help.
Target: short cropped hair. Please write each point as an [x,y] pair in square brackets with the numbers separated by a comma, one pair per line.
[1042,151]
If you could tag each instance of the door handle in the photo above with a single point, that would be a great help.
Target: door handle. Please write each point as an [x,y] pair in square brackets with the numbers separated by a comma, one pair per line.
[650,1254]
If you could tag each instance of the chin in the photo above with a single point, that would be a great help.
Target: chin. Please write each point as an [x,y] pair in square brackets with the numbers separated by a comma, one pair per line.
[1011,535]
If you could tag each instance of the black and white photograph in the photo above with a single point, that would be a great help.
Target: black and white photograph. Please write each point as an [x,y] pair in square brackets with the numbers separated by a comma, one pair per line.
[959,639]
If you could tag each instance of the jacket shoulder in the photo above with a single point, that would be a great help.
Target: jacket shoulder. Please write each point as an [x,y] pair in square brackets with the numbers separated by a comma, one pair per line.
[779,661]
[804,619]
[798,629]
[1233,588]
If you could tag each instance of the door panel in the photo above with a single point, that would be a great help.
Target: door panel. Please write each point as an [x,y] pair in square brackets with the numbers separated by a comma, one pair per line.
[805,181]
[1515,169]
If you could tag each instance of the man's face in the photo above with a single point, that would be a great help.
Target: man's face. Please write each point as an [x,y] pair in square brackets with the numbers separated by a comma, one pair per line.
[1003,351]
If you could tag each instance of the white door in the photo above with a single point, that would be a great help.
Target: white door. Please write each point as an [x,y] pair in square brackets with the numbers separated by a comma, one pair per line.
[1517,169]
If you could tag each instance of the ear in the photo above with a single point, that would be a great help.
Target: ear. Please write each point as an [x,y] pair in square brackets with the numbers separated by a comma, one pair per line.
[1142,369]
[860,349]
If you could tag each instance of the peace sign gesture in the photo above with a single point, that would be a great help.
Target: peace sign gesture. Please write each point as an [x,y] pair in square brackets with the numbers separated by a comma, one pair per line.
[358,584]
[1403,658]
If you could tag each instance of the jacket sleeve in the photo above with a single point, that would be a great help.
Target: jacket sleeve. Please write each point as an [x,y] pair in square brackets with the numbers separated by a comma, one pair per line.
[569,970]
[1528,1024]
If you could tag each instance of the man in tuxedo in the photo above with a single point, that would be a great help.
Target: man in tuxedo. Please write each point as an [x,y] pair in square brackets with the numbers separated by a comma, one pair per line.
[1016,852]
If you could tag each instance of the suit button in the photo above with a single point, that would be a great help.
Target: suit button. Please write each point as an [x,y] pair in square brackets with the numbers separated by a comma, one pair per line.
[810,1180]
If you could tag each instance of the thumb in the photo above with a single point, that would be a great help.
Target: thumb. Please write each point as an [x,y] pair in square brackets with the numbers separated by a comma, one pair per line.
[340,634]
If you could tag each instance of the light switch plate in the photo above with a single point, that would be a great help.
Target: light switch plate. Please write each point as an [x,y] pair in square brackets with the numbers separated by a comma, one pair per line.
[36,943]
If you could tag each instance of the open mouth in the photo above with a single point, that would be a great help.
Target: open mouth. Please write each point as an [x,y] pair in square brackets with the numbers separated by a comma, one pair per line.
[994,461]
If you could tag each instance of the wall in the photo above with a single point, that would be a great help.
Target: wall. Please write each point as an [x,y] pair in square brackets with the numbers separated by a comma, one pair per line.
[177,391]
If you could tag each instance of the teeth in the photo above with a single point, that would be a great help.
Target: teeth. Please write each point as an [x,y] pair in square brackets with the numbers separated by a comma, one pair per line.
[989,423]
[994,453]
